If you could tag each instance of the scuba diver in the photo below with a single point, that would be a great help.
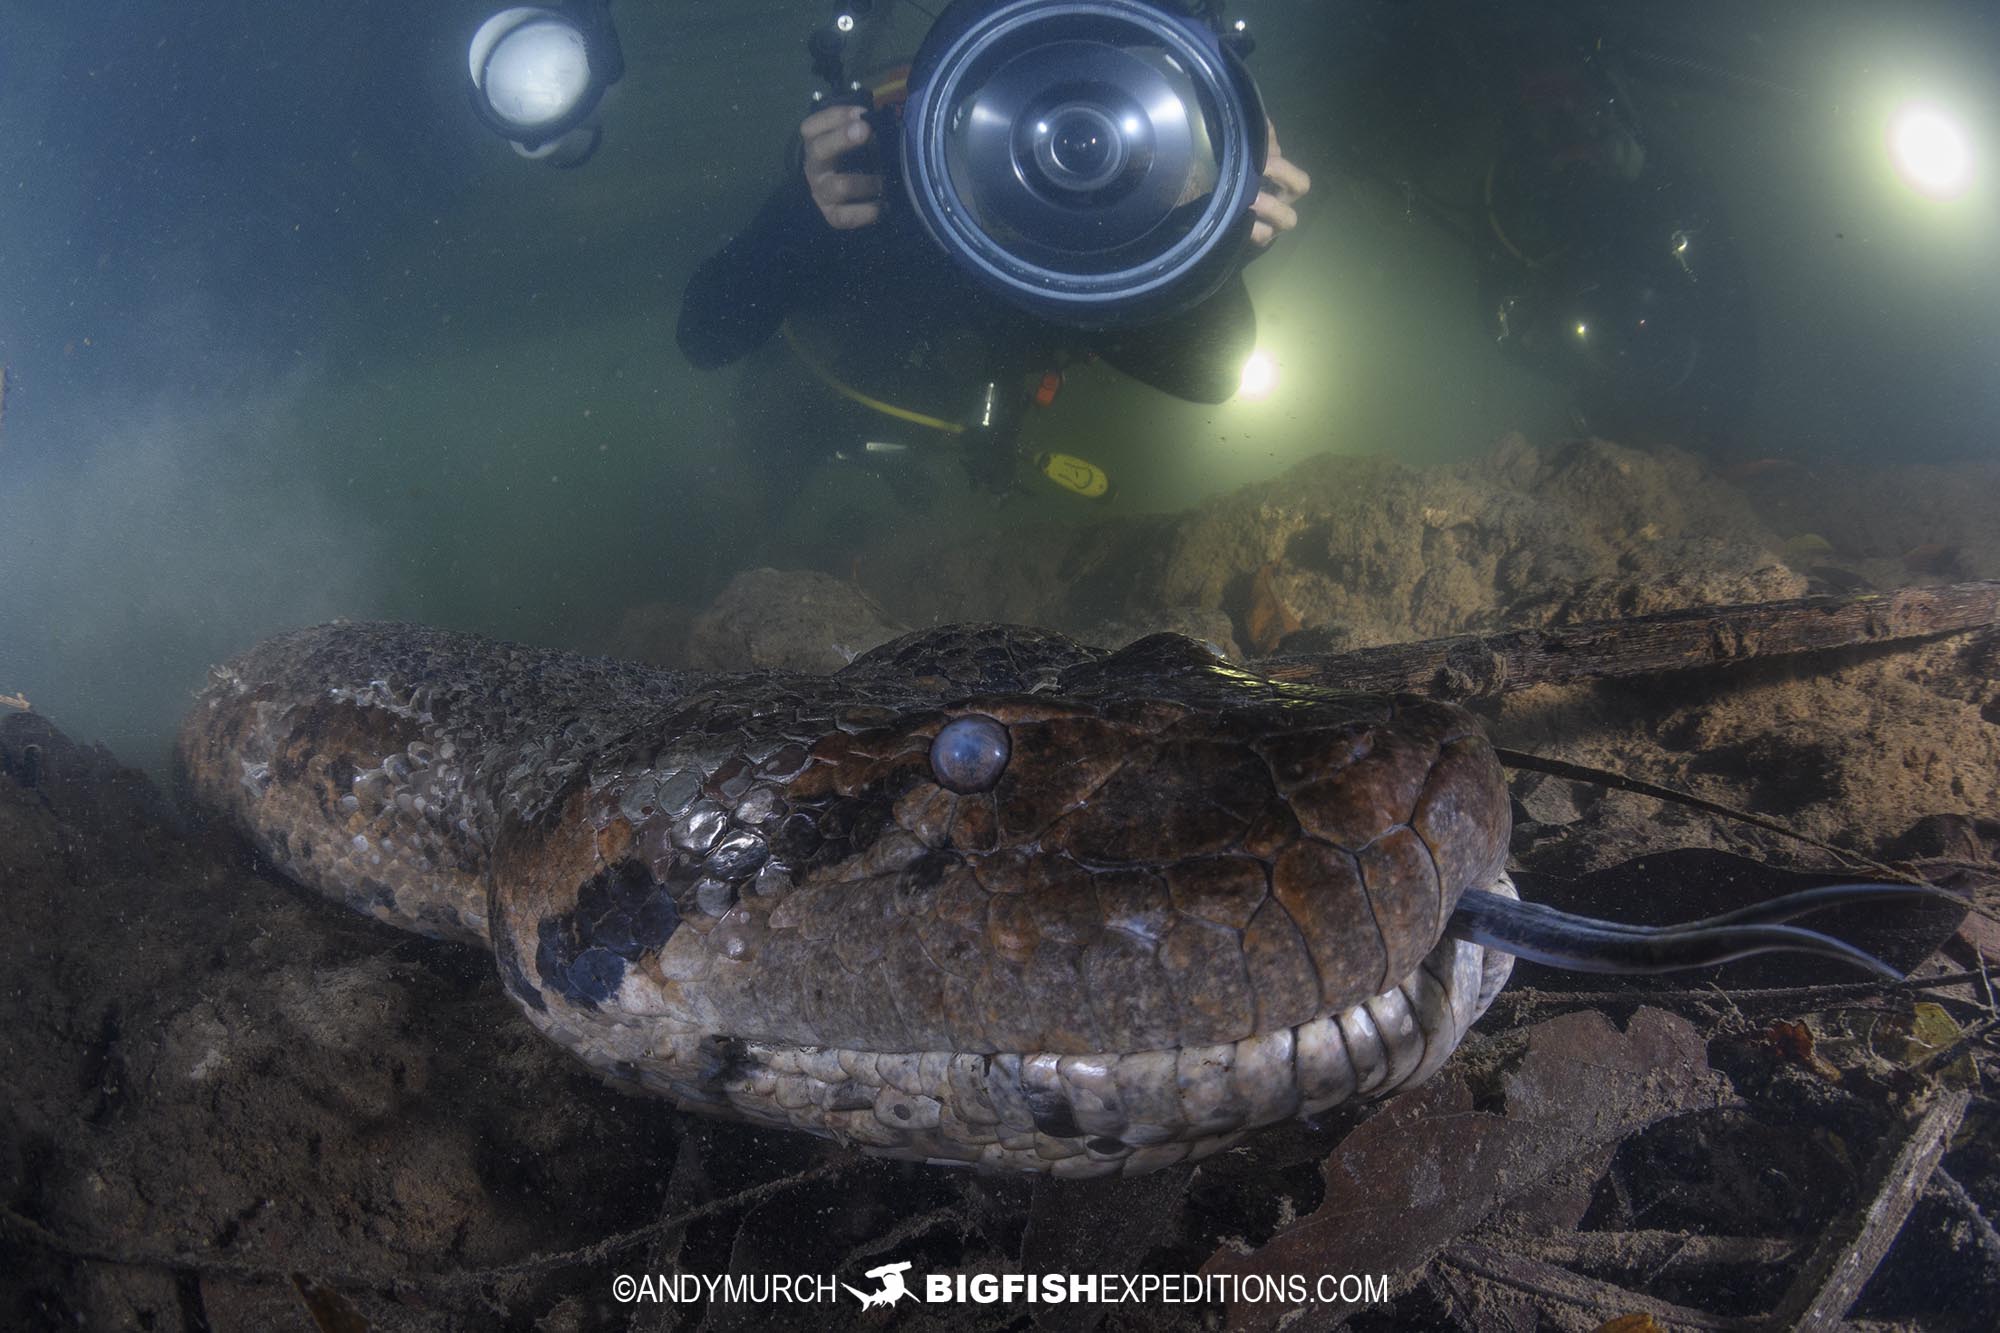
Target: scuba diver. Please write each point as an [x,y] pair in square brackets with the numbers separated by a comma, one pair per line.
[1605,260]
[885,322]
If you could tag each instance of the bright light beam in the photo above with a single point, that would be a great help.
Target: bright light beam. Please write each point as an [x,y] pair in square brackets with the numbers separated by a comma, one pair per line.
[1260,376]
[1930,152]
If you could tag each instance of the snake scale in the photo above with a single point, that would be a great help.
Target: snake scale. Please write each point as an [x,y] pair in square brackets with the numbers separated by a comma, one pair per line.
[985,896]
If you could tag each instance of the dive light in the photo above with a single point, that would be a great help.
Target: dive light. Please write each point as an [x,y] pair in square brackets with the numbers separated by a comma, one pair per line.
[539,74]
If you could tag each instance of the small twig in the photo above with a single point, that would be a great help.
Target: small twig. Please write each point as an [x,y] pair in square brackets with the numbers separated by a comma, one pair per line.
[1789,995]
[1470,666]
[626,1240]
[469,1281]
[1591,1251]
[1563,768]
[902,1234]
[1967,1207]
[1602,1299]
[1854,1246]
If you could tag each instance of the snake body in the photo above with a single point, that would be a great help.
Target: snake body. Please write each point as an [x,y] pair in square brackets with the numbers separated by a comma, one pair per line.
[1192,902]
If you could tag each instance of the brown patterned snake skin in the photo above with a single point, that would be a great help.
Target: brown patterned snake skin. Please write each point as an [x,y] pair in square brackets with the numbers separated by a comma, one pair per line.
[1162,900]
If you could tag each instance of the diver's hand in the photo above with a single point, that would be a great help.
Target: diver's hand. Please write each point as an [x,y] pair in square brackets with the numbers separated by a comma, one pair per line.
[846,199]
[1284,185]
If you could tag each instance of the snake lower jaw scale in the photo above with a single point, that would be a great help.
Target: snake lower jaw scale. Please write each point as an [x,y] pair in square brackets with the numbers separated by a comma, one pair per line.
[1069,1115]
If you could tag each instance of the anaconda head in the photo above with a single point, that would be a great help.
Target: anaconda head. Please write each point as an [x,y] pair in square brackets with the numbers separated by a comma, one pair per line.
[993,850]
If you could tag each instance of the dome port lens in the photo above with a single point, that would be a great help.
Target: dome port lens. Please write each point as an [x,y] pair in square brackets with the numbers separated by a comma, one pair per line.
[1092,161]
[1079,148]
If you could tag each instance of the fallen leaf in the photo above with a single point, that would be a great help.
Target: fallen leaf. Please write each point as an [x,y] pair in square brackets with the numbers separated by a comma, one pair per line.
[1807,548]
[1630,1323]
[1429,1167]
[1910,1039]
[1793,1041]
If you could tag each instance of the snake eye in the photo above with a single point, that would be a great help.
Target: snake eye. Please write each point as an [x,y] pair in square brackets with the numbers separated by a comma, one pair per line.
[970,754]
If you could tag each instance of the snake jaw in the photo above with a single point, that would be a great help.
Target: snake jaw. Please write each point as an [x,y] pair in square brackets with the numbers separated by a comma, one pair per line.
[1179,912]
[1084,1114]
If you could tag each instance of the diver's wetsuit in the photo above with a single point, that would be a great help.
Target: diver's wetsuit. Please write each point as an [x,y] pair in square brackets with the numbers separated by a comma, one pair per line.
[893,288]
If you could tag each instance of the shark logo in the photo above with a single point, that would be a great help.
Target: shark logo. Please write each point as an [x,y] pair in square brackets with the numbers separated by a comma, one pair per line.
[893,1286]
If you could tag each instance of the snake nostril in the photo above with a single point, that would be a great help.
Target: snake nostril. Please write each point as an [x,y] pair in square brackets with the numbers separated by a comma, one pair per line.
[970,753]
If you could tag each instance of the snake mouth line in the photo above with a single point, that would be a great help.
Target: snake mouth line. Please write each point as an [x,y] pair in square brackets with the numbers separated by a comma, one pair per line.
[1070,1114]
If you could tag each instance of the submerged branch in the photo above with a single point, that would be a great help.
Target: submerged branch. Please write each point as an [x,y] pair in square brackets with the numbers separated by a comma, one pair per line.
[1471,666]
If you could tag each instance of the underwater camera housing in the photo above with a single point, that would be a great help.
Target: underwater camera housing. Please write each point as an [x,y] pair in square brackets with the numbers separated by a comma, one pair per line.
[1093,161]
